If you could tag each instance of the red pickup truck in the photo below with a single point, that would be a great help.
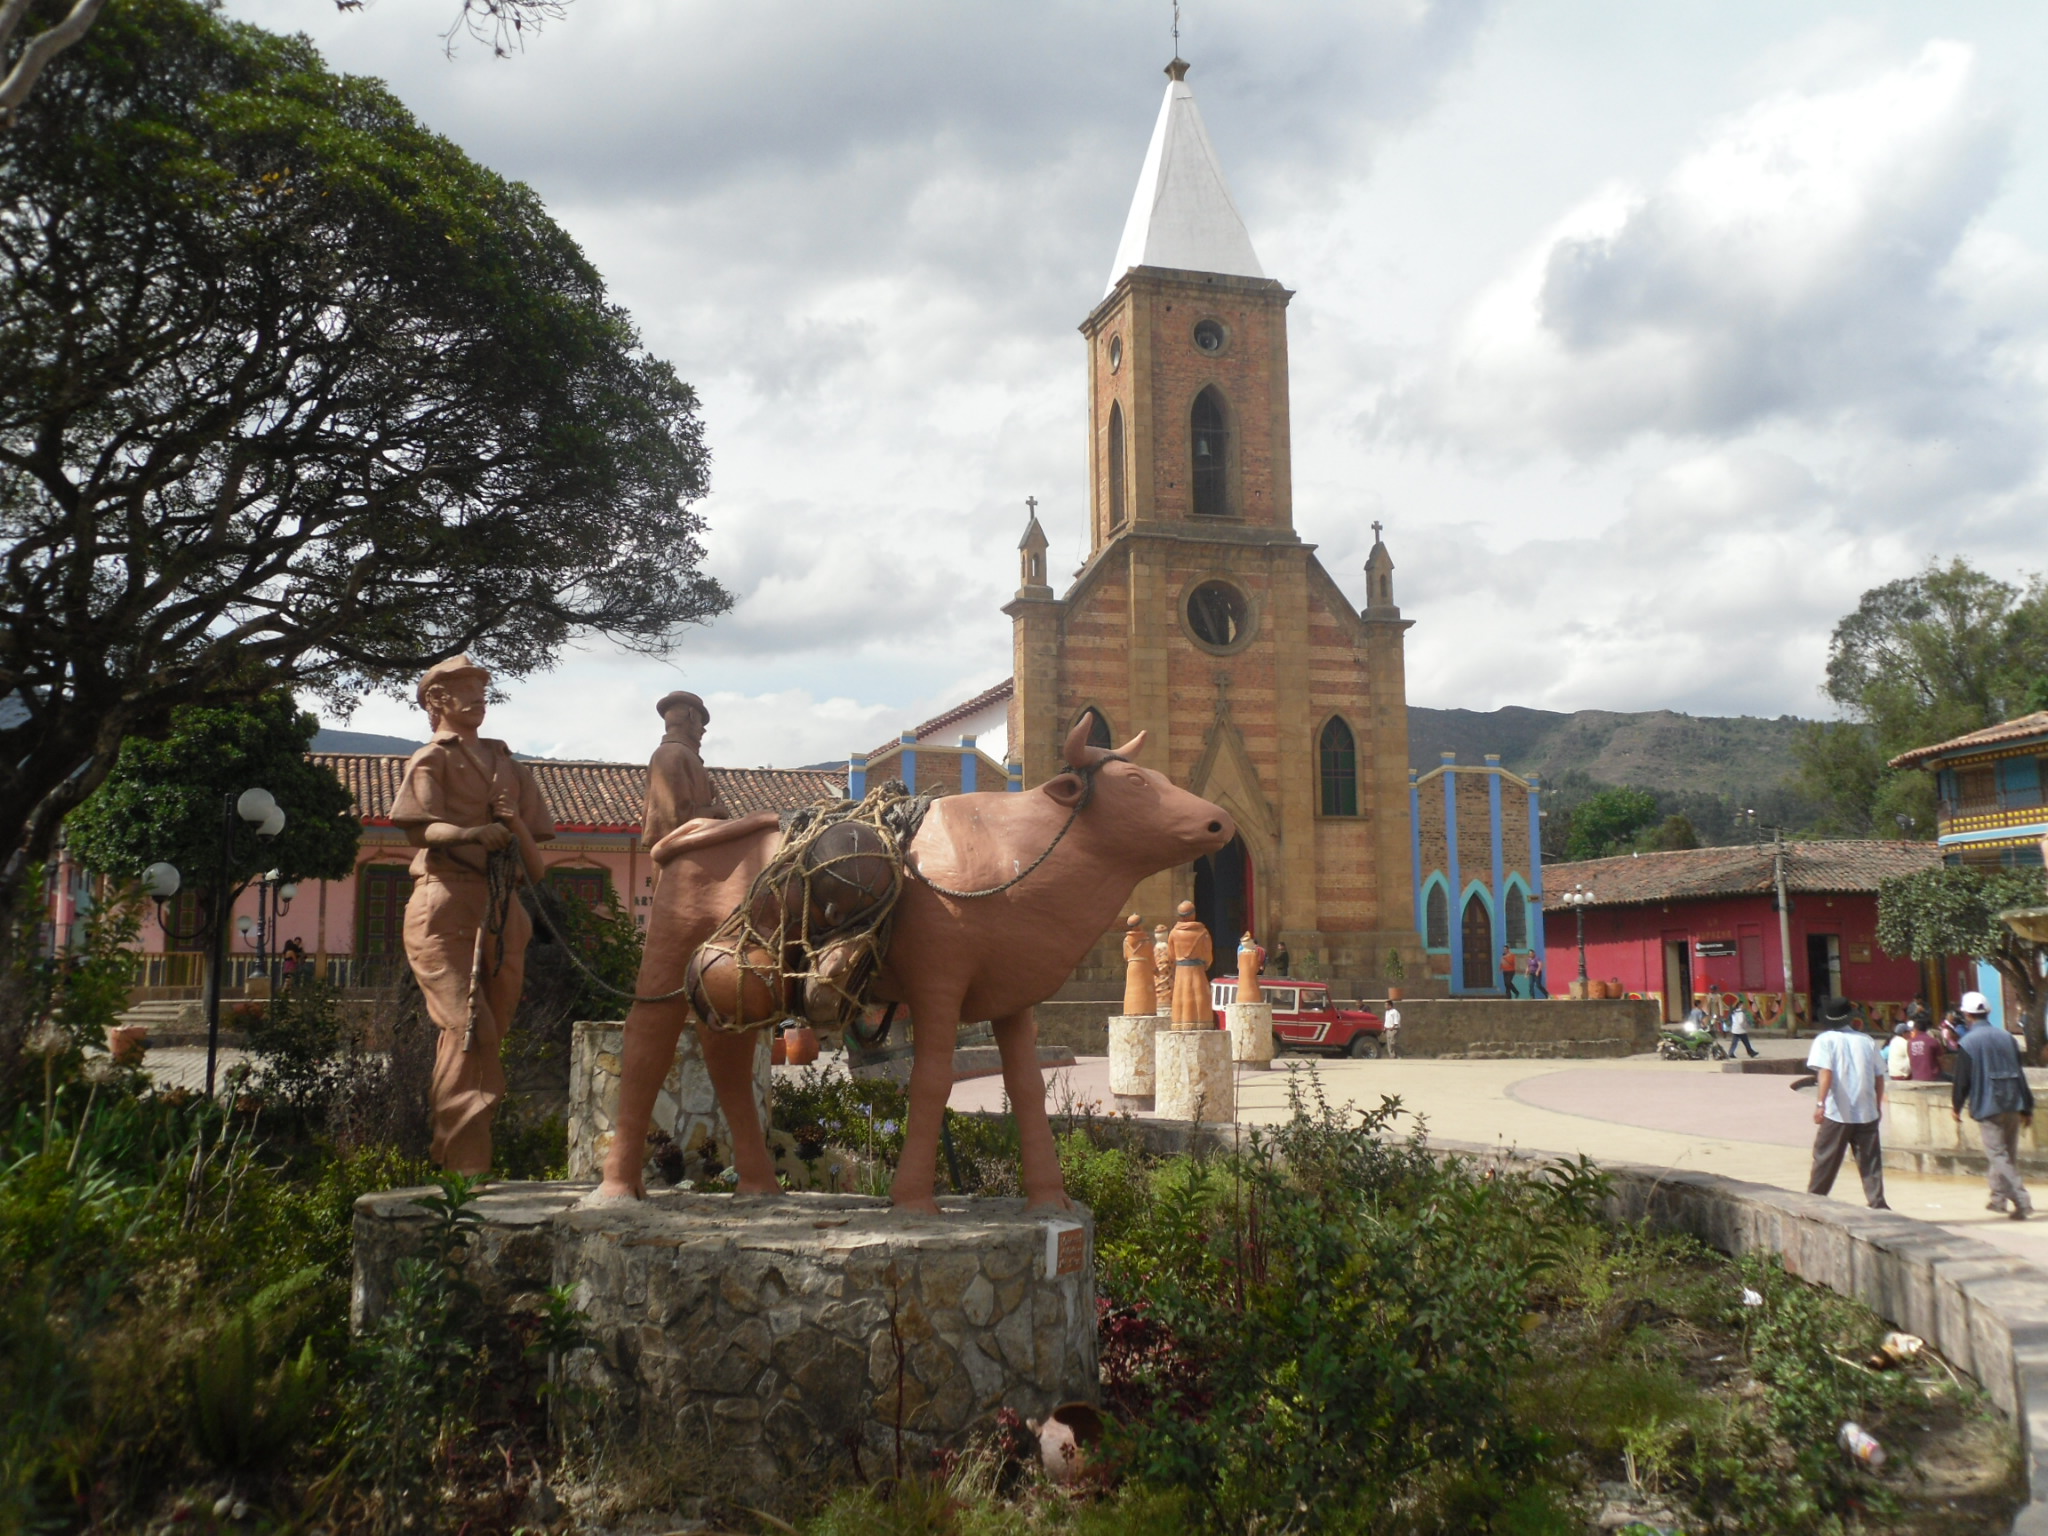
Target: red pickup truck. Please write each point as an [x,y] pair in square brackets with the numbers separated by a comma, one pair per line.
[1305,1019]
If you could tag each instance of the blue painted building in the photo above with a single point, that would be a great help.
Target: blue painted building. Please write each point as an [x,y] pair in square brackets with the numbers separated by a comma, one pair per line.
[1477,851]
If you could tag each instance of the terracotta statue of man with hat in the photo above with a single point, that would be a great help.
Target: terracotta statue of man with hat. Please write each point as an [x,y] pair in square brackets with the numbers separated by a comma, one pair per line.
[477,817]
[679,787]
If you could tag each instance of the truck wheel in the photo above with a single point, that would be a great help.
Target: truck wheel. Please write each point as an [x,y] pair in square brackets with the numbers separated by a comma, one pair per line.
[1363,1047]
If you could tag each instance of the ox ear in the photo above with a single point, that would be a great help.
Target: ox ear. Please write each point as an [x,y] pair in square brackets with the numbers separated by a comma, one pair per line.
[1129,750]
[1066,789]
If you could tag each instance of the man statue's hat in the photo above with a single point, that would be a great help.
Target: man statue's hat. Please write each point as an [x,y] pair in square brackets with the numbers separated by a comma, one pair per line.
[681,696]
[447,671]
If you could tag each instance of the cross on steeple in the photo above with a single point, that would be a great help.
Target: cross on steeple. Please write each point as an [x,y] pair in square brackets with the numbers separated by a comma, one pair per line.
[1031,504]
[1376,532]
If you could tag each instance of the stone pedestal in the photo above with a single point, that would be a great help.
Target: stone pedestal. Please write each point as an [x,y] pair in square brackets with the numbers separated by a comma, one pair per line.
[685,1110]
[1250,1026]
[1133,1079]
[1194,1075]
[761,1335]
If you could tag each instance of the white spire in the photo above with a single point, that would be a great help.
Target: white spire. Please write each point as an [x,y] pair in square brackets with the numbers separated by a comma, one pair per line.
[1182,215]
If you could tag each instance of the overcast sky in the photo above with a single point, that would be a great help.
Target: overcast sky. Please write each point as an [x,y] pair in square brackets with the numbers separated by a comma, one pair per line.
[1655,334]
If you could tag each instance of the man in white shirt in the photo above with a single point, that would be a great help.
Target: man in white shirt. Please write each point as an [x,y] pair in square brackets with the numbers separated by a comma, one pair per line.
[1390,1031]
[1738,1031]
[1849,1102]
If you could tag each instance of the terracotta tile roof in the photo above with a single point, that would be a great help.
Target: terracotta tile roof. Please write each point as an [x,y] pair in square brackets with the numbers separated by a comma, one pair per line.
[590,797]
[1998,735]
[958,712]
[1693,873]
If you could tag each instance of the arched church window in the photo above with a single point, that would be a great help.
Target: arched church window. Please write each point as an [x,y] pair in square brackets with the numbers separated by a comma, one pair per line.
[1436,918]
[1211,439]
[1339,754]
[1098,728]
[1514,916]
[1116,465]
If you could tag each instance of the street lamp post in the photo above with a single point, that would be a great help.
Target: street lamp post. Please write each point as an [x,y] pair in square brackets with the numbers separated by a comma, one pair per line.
[274,896]
[260,809]
[1578,898]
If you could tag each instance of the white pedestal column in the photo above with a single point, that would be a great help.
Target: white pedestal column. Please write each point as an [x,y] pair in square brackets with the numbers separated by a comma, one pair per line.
[1194,1075]
[1133,1078]
[1251,1033]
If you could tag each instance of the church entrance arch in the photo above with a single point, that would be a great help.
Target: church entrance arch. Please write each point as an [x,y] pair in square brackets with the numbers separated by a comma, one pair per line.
[1223,900]
[1478,936]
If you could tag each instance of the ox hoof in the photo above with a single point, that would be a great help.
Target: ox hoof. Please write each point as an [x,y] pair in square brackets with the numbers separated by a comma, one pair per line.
[923,1205]
[609,1193]
[1051,1205]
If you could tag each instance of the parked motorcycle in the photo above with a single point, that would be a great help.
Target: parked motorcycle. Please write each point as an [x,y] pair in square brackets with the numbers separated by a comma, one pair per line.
[1677,1045]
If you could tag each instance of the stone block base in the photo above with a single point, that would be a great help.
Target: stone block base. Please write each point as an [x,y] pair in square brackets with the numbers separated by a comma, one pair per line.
[1133,1074]
[1251,1033]
[685,1110]
[1195,1081]
[777,1332]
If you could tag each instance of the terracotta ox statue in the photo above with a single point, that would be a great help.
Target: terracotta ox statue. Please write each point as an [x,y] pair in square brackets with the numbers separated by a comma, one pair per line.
[950,958]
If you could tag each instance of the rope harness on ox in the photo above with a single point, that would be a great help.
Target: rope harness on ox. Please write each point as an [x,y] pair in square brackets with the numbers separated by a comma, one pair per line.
[813,931]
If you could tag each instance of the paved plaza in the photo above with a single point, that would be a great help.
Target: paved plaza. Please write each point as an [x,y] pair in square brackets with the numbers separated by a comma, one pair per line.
[1636,1110]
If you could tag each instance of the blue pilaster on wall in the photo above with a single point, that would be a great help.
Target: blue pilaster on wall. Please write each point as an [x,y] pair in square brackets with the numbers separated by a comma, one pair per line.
[1537,934]
[1415,857]
[968,763]
[857,776]
[1499,863]
[909,761]
[1457,925]
[1014,772]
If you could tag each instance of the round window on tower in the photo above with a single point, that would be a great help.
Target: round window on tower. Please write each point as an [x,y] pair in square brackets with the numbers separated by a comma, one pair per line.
[1209,336]
[1218,615]
[1116,353]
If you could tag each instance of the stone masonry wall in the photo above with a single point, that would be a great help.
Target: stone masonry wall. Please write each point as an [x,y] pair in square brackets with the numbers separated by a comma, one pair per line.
[1493,1027]
[686,1108]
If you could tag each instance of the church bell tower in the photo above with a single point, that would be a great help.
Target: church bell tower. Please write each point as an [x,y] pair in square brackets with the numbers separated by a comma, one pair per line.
[1200,615]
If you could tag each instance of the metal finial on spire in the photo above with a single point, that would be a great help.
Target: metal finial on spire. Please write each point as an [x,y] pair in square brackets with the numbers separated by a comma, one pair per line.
[1176,28]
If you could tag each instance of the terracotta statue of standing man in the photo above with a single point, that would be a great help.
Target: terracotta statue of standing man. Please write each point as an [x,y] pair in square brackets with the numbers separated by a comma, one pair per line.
[1162,973]
[1192,953]
[1250,961]
[477,817]
[1140,999]
[679,787]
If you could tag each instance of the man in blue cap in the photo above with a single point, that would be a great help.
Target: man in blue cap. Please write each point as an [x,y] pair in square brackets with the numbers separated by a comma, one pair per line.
[1990,1080]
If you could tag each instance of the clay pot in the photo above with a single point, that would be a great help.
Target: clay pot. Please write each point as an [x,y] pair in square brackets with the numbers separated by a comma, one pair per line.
[1067,1439]
[799,1045]
[126,1043]
[1394,994]
[778,1053]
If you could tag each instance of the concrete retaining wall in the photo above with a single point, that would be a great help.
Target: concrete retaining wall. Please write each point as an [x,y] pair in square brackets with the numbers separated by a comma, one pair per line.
[1921,1136]
[1483,1027]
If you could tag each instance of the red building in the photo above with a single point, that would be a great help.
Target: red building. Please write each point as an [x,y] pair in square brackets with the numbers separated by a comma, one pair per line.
[1678,926]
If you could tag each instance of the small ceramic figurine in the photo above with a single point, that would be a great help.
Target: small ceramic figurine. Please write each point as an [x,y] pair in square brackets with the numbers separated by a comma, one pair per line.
[1250,961]
[463,799]
[1162,973]
[1139,987]
[1192,954]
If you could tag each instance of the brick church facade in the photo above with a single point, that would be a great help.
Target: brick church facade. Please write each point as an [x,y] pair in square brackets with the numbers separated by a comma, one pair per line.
[1201,617]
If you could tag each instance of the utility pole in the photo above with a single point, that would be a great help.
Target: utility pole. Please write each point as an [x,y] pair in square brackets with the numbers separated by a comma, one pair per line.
[1784,915]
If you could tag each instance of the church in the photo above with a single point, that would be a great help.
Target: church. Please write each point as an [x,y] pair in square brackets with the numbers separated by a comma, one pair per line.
[1200,615]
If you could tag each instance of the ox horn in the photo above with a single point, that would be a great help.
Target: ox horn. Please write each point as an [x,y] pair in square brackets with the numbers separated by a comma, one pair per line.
[1078,754]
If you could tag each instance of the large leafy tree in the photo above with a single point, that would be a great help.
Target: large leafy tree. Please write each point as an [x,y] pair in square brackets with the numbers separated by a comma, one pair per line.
[1936,655]
[1608,821]
[1954,910]
[293,393]
[33,34]
[163,801]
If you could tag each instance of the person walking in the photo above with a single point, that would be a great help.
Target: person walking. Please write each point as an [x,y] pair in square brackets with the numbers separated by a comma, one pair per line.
[1536,986]
[1390,1031]
[1990,1081]
[1738,1030]
[1281,959]
[1849,1102]
[1508,963]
